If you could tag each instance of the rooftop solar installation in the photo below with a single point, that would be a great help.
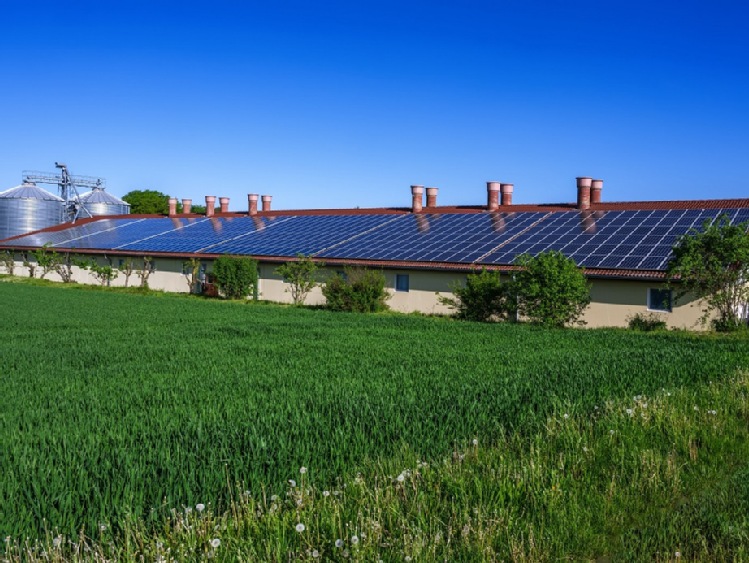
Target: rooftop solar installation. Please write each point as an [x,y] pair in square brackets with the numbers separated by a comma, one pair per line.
[635,240]
[440,237]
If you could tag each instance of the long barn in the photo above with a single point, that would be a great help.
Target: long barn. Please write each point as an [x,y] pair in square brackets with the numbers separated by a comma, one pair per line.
[423,249]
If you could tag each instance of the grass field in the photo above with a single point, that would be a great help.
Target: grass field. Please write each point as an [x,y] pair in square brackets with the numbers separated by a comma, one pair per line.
[120,410]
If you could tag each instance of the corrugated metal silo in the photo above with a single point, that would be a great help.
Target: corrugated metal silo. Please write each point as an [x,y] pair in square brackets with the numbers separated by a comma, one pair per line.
[99,202]
[27,208]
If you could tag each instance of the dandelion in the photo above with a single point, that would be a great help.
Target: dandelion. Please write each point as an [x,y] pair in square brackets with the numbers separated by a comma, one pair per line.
[188,509]
[200,507]
[611,432]
[677,554]
[696,408]
[668,394]
[345,553]
[566,416]
[630,412]
[215,542]
[326,493]
[302,470]
[339,543]
[408,558]
[57,541]
[274,498]
[102,527]
[712,412]
[300,527]
[644,405]
[315,553]
[354,540]
[292,483]
[401,478]
[475,441]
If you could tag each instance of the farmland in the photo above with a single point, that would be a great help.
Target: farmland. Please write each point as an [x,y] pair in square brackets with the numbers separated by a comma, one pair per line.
[119,408]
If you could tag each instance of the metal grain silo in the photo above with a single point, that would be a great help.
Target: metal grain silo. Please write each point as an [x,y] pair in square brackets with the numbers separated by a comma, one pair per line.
[99,202]
[27,208]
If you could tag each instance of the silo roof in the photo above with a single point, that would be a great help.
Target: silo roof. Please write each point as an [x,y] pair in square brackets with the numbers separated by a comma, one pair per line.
[98,195]
[29,191]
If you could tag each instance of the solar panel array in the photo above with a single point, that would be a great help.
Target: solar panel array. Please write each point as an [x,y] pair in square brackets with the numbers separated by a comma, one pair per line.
[638,240]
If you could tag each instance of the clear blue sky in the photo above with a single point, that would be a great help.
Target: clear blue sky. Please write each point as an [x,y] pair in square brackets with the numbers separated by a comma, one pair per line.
[339,104]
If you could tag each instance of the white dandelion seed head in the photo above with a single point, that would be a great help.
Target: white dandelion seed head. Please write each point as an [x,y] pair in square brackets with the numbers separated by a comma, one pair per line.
[200,507]
[354,540]
[401,478]
[57,541]
[326,493]
[339,543]
[611,432]
[274,498]
[188,509]
[677,554]
[315,553]
[475,441]
[215,542]
[300,527]
[102,527]
[292,483]
[696,408]
[345,553]
[630,412]
[302,470]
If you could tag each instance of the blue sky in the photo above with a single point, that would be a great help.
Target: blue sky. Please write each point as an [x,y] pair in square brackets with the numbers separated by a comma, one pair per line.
[342,104]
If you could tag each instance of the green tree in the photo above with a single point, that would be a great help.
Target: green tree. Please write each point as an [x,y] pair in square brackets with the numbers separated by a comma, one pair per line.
[550,289]
[103,274]
[712,264]
[236,276]
[46,259]
[147,201]
[483,298]
[300,275]
[357,289]
[64,266]
[8,259]
[191,270]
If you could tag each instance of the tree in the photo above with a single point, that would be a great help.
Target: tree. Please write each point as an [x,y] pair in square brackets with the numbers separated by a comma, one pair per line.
[46,259]
[8,259]
[483,298]
[550,289]
[191,269]
[712,264]
[145,272]
[127,268]
[236,276]
[300,275]
[64,266]
[103,274]
[357,289]
[147,201]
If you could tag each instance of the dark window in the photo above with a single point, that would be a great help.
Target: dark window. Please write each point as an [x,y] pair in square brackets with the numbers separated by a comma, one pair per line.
[401,282]
[659,299]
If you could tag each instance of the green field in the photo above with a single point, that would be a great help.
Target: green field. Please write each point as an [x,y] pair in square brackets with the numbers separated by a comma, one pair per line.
[121,407]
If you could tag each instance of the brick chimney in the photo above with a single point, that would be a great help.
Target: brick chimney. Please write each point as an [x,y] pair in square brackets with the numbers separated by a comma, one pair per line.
[432,197]
[507,190]
[492,195]
[186,206]
[417,198]
[596,186]
[224,201]
[210,203]
[266,202]
[252,204]
[583,192]
[172,206]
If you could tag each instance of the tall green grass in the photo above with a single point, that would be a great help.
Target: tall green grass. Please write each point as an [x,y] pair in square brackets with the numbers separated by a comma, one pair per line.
[119,406]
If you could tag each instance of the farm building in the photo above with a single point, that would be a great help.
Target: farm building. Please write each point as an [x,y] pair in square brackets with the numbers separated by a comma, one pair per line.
[422,249]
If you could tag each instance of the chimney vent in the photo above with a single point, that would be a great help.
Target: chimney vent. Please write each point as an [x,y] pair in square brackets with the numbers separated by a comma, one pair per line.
[210,204]
[266,202]
[172,206]
[252,204]
[224,201]
[186,205]
[417,198]
[492,195]
[596,187]
[507,190]
[432,197]
[583,192]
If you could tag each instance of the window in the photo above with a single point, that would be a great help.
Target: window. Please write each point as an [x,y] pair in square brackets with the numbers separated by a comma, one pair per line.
[659,300]
[401,282]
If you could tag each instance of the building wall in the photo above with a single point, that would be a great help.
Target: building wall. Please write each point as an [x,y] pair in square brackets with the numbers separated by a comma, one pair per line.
[613,302]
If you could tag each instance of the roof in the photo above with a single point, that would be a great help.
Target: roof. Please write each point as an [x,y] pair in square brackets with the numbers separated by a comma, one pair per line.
[99,195]
[628,240]
[29,191]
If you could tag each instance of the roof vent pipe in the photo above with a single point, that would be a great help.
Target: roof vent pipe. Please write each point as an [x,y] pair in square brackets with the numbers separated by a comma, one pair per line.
[583,192]
[417,198]
[492,195]
[252,204]
[595,191]
[172,206]
[186,205]
[224,201]
[210,203]
[432,197]
[507,190]
[266,202]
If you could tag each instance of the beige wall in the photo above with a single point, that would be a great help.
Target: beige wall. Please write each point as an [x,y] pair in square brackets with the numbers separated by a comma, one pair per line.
[613,302]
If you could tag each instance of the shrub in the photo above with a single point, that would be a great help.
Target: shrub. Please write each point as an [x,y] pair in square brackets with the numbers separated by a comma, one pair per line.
[646,322]
[300,275]
[483,298]
[236,276]
[550,289]
[358,289]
